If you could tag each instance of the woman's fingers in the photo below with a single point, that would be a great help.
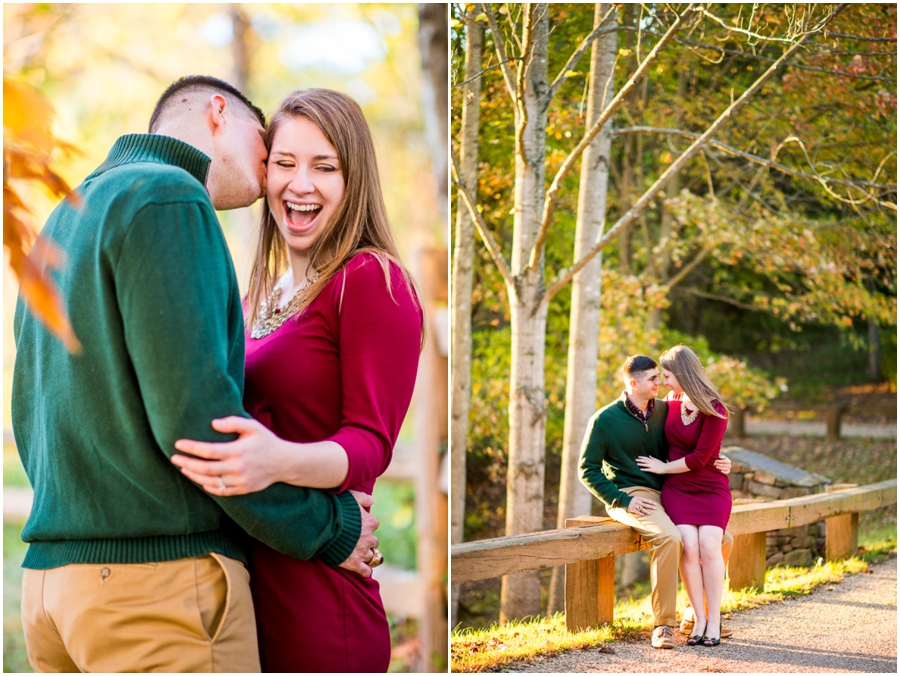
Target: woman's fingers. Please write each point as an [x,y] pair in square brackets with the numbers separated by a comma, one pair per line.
[202,467]
[223,485]
[207,483]
[234,424]
[203,449]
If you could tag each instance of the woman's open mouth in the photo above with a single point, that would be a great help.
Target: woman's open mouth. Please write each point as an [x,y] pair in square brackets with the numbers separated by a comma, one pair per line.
[299,217]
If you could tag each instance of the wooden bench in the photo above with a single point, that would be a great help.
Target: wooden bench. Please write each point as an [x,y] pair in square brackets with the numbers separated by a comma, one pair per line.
[588,547]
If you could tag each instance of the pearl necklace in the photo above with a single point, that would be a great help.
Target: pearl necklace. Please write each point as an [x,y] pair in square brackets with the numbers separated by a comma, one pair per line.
[691,417]
[271,317]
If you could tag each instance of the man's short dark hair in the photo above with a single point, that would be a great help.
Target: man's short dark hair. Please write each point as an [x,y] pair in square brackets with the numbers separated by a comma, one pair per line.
[638,363]
[198,83]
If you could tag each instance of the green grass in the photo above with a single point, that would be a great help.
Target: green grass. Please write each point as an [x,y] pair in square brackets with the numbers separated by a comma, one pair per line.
[15,659]
[498,646]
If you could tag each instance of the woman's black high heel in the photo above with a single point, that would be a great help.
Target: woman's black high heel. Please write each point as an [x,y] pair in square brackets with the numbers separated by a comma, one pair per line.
[696,639]
[713,642]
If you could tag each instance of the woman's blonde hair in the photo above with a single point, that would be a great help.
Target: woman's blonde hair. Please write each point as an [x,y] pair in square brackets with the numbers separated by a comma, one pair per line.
[691,375]
[360,223]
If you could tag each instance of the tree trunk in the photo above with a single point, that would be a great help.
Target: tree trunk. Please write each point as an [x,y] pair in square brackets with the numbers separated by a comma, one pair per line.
[520,594]
[240,47]
[584,323]
[654,318]
[433,46]
[463,256]
[241,222]
[629,155]
[874,354]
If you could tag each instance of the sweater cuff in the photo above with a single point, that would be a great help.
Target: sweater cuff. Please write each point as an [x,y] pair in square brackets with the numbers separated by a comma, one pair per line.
[623,501]
[351,528]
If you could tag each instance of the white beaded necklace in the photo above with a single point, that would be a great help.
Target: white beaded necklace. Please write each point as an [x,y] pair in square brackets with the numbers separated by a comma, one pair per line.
[689,418]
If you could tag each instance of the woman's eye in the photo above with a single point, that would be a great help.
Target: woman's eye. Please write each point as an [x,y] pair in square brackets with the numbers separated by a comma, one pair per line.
[327,169]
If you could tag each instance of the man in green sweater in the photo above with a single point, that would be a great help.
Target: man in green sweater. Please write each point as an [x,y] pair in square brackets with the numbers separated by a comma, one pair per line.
[619,433]
[130,566]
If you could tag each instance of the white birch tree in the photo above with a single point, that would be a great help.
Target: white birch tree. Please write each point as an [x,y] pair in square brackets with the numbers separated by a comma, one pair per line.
[463,255]
[581,375]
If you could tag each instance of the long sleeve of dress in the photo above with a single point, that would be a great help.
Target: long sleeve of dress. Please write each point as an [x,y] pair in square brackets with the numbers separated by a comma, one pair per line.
[710,441]
[379,340]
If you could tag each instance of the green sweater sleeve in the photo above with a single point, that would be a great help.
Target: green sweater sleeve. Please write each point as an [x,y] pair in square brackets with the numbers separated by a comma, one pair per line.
[181,317]
[594,450]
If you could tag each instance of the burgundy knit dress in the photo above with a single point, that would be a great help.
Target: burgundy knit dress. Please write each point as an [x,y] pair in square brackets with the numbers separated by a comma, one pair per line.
[343,371]
[700,497]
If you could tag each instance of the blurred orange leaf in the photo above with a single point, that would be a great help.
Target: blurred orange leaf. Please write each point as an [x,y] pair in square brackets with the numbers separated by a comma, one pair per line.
[28,144]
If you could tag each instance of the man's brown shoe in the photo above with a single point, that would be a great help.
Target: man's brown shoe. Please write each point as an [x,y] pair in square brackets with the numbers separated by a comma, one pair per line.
[663,637]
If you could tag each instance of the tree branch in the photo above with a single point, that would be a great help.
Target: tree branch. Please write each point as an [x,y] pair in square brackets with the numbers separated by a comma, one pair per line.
[551,196]
[721,299]
[735,29]
[753,158]
[500,46]
[565,276]
[479,74]
[481,226]
[758,57]
[688,269]
[579,52]
[860,37]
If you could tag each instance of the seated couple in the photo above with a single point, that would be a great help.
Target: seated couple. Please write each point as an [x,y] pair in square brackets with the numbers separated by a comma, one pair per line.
[629,445]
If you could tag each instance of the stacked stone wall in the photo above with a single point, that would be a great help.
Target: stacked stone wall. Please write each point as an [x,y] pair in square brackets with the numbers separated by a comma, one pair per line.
[756,477]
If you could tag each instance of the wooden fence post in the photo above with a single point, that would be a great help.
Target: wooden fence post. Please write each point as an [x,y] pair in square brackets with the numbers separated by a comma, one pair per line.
[590,587]
[833,422]
[590,593]
[747,564]
[736,422]
[841,536]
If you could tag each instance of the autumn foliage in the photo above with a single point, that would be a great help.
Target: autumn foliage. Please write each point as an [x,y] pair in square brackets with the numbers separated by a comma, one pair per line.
[28,145]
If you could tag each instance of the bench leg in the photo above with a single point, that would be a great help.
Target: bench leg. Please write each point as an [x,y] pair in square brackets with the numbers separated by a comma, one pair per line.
[590,593]
[747,564]
[841,536]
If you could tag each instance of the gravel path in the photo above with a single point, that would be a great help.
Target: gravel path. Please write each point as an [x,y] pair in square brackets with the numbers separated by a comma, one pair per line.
[846,627]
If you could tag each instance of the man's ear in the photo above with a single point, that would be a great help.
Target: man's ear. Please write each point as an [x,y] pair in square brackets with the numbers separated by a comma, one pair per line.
[215,113]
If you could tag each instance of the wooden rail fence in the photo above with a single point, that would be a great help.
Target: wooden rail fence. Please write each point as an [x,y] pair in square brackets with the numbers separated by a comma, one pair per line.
[588,547]
[832,414]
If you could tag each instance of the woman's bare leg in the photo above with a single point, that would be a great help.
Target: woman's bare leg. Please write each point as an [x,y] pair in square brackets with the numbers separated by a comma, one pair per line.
[691,574]
[713,573]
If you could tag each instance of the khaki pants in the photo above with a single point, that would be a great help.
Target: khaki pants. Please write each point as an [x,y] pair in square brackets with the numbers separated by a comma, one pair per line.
[185,616]
[661,534]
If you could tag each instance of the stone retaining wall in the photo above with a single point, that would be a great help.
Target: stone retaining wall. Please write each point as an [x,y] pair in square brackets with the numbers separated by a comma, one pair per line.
[756,477]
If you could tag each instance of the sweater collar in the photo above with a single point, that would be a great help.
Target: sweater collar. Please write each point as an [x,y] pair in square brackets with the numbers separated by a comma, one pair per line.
[133,148]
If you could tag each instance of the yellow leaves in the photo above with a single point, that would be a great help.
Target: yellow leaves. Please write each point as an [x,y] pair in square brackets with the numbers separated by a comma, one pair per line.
[28,143]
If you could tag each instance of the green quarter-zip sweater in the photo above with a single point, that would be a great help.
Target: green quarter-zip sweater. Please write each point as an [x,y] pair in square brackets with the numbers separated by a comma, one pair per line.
[613,442]
[152,294]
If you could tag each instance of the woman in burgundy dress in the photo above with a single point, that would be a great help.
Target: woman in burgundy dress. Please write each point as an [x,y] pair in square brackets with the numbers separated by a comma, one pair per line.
[695,495]
[334,330]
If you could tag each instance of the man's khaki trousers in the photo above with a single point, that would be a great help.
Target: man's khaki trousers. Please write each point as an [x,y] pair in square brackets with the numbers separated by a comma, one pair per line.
[661,534]
[185,616]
